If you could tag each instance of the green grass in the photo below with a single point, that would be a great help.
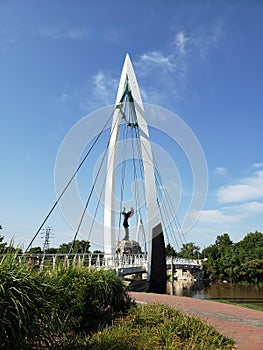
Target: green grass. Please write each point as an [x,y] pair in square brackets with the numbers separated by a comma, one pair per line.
[46,309]
[249,306]
[71,308]
[157,327]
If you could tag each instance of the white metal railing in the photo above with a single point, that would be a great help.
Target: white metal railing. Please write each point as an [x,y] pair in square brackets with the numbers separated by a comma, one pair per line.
[99,261]
[182,262]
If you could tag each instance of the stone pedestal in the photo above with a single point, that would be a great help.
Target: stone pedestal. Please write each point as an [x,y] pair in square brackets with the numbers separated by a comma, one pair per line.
[128,247]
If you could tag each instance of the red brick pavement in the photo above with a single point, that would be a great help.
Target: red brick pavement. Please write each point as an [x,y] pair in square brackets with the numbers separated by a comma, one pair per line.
[244,326]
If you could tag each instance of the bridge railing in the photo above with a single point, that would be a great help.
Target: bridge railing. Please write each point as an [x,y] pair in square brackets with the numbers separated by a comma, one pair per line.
[99,261]
[182,262]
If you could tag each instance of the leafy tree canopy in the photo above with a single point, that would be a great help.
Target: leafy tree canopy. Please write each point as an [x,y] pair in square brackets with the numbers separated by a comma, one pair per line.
[78,247]
[236,262]
[189,251]
[169,250]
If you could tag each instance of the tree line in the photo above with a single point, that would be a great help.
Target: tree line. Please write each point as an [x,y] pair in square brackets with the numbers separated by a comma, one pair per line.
[240,262]
[223,260]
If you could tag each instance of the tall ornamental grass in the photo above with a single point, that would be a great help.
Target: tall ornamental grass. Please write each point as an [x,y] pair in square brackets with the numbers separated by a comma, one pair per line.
[49,309]
[22,304]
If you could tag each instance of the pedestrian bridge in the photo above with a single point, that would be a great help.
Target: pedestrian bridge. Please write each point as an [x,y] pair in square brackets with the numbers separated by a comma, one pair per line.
[123,264]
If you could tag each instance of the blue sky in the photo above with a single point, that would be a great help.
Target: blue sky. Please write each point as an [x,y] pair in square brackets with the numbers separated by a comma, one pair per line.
[202,60]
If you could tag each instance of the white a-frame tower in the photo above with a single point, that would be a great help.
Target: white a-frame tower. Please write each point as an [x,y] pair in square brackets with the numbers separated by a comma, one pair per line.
[128,84]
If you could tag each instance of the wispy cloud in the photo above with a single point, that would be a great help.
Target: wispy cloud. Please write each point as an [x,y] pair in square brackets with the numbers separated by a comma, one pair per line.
[102,90]
[156,59]
[220,171]
[56,32]
[180,42]
[172,66]
[249,208]
[248,189]
[218,216]
[205,39]
[231,214]
[105,86]
[258,165]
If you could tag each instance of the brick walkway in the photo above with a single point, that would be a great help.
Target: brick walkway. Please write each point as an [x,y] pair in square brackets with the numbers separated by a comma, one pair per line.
[244,326]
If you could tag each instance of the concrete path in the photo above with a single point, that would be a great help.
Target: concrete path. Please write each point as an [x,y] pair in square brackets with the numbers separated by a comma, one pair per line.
[243,325]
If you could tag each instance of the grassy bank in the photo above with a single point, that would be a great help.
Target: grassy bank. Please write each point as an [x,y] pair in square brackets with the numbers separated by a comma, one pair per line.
[158,327]
[89,309]
[46,309]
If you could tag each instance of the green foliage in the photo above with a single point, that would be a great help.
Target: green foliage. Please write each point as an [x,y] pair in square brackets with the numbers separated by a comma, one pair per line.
[51,251]
[22,304]
[35,250]
[45,309]
[91,297]
[235,262]
[189,251]
[170,251]
[2,244]
[78,247]
[159,327]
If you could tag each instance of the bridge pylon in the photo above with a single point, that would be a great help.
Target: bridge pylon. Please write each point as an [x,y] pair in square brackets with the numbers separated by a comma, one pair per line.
[128,85]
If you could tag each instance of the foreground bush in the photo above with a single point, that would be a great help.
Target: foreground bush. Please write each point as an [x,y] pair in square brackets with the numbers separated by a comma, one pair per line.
[22,304]
[156,327]
[43,310]
[90,299]
[59,310]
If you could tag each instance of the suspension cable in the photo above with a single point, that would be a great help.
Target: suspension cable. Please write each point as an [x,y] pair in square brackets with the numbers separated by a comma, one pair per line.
[69,182]
[124,151]
[92,189]
[169,202]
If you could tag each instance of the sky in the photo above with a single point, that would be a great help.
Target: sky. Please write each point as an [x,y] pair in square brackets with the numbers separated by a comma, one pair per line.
[201,60]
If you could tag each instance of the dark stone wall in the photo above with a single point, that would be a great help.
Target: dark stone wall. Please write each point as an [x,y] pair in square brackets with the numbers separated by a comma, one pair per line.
[158,264]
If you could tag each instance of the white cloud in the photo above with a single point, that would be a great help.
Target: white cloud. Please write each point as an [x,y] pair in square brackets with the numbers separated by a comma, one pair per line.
[220,171]
[231,214]
[180,41]
[156,59]
[258,165]
[99,81]
[248,209]
[104,87]
[249,189]
[217,216]
[177,58]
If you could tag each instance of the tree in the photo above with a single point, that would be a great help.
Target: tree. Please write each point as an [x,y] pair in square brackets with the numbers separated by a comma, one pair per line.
[223,241]
[236,262]
[170,251]
[189,251]
[35,250]
[251,247]
[78,247]
[2,244]
[51,251]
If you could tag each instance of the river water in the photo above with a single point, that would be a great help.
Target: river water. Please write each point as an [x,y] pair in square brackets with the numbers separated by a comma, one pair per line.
[238,293]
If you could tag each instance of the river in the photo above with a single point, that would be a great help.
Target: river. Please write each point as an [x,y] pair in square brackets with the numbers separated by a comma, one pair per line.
[239,293]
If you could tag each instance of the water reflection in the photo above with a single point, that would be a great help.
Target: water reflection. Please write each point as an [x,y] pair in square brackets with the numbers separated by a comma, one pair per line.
[249,294]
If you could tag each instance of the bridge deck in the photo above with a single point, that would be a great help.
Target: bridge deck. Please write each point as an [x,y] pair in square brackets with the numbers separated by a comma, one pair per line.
[122,264]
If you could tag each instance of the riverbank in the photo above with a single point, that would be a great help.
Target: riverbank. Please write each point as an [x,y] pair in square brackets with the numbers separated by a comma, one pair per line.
[244,326]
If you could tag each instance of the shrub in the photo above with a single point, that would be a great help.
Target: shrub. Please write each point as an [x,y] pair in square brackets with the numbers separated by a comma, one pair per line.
[91,298]
[159,327]
[22,303]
